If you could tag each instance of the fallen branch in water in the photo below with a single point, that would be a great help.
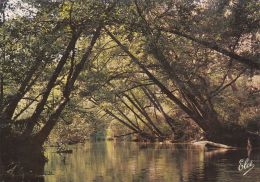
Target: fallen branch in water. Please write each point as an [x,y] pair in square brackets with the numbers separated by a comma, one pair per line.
[253,133]
[209,144]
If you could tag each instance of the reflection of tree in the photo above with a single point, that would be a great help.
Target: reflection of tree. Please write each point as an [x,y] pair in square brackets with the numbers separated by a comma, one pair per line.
[27,167]
[209,173]
[217,161]
[23,178]
[128,162]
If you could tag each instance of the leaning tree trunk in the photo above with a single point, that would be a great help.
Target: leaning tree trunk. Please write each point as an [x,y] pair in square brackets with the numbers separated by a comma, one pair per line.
[215,132]
[43,134]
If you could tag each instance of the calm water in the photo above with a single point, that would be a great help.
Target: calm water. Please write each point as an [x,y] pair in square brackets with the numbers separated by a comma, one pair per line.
[133,162]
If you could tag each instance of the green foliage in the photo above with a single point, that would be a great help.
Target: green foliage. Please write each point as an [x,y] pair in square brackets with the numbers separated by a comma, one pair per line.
[164,36]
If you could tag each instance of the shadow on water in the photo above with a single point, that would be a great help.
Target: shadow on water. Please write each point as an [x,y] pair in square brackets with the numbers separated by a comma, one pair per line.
[222,165]
[22,166]
[130,162]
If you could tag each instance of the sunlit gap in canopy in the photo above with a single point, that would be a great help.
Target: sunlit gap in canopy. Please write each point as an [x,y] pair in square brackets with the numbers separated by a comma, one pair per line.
[16,8]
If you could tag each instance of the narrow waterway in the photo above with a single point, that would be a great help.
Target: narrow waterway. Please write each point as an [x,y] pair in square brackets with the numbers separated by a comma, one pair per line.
[135,162]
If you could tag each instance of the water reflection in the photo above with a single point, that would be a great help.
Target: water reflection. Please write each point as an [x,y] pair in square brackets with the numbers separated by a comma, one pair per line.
[22,166]
[133,162]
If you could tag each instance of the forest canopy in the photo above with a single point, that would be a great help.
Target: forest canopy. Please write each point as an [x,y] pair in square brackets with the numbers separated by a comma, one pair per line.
[173,70]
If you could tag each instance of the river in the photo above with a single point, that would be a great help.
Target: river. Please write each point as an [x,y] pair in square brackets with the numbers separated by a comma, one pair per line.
[139,162]
[136,162]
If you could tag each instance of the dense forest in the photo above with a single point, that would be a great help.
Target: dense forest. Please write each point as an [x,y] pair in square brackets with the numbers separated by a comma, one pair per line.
[171,70]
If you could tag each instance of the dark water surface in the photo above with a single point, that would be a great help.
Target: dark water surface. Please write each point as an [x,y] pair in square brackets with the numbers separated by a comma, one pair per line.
[135,162]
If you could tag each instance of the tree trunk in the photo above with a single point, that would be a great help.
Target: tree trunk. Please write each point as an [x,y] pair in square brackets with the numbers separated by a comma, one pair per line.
[137,115]
[42,135]
[164,89]
[1,92]
[250,63]
[14,100]
[138,106]
[40,106]
[207,121]
[157,104]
